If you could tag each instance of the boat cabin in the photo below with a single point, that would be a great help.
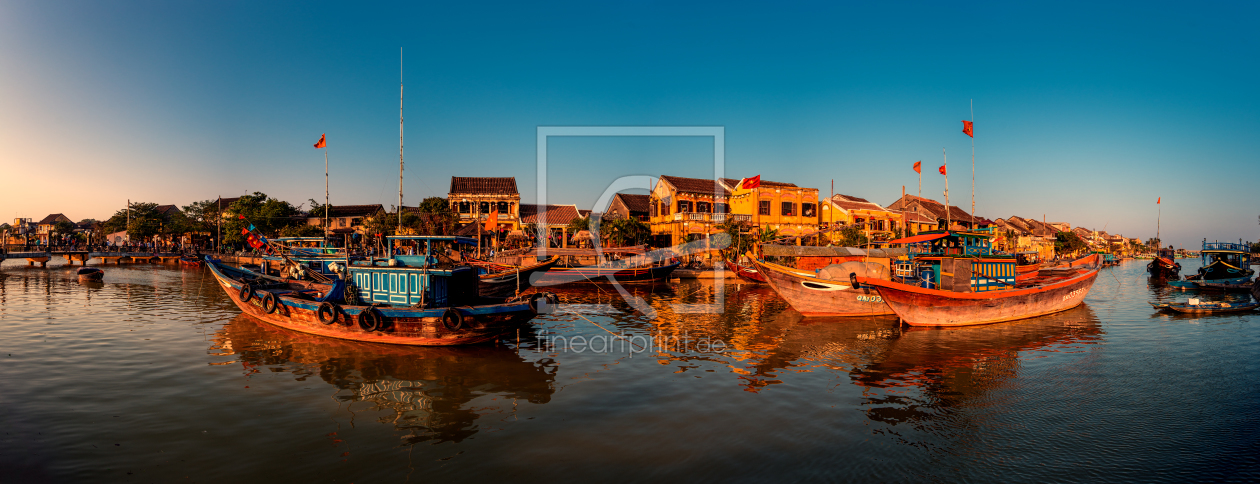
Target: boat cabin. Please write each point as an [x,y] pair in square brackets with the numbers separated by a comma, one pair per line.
[1226,261]
[955,260]
[417,274]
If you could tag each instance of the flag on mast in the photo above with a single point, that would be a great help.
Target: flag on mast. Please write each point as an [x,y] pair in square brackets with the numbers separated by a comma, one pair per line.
[967,128]
[751,183]
[941,169]
[1158,199]
[917,166]
[321,143]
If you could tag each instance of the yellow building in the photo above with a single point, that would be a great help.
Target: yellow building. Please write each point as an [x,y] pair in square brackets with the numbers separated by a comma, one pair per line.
[844,210]
[473,199]
[784,207]
[680,207]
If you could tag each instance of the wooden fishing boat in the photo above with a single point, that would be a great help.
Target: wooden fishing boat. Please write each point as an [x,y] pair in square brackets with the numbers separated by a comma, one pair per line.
[745,273]
[1197,307]
[501,280]
[1026,265]
[191,261]
[601,273]
[821,293]
[958,304]
[398,301]
[92,274]
[1224,263]
[1164,266]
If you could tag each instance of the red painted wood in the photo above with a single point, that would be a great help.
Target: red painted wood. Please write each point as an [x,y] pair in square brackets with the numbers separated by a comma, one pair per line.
[829,298]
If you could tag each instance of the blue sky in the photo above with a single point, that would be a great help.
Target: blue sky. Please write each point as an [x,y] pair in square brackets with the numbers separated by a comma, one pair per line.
[1084,113]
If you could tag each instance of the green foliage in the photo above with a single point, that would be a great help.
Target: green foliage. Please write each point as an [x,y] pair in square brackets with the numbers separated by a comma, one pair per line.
[1068,243]
[62,228]
[381,222]
[742,240]
[435,205]
[850,236]
[201,216]
[267,214]
[621,232]
[317,209]
[579,223]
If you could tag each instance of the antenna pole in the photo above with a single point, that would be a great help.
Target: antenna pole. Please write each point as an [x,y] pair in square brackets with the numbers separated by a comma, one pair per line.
[400,139]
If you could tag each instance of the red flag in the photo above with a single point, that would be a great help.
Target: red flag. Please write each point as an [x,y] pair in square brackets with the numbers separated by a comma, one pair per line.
[244,231]
[966,128]
[942,169]
[242,217]
[1158,199]
[321,143]
[751,183]
[492,222]
[918,164]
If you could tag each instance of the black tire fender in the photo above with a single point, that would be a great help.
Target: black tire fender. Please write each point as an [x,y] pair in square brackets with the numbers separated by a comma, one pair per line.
[370,320]
[853,280]
[246,293]
[270,302]
[327,312]
[452,319]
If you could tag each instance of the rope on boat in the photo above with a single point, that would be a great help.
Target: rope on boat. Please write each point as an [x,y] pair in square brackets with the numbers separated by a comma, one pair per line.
[636,345]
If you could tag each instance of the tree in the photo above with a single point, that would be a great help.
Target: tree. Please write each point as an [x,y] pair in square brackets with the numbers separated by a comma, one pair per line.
[852,236]
[267,214]
[381,222]
[620,232]
[62,229]
[202,216]
[578,224]
[1068,243]
[435,205]
[741,238]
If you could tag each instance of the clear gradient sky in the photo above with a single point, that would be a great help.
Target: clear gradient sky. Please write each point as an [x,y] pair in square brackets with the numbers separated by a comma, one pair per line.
[1085,113]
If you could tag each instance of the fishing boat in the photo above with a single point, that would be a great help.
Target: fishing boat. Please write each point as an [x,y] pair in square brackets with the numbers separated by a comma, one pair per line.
[1195,306]
[976,290]
[747,273]
[1164,266]
[649,272]
[1224,263]
[1110,260]
[191,261]
[90,274]
[405,299]
[502,280]
[1026,265]
[827,292]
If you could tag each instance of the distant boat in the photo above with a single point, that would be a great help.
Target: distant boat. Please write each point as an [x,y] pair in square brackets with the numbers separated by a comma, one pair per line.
[601,272]
[746,273]
[1197,307]
[1224,263]
[501,280]
[192,261]
[1164,266]
[91,274]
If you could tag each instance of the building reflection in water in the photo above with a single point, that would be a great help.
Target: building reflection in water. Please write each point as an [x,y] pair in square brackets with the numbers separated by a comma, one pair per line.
[428,390]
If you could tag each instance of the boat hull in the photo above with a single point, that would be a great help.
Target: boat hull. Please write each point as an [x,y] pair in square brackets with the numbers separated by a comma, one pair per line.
[815,297]
[746,274]
[401,326]
[563,275]
[511,282]
[917,306]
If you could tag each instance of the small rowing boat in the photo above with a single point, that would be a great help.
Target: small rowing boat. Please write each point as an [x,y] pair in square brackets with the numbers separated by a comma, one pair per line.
[1194,306]
[191,261]
[502,280]
[746,273]
[90,274]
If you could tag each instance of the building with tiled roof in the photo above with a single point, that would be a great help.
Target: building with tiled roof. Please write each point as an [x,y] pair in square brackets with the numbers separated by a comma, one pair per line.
[557,221]
[626,205]
[473,199]
[682,207]
[936,211]
[345,219]
[841,210]
[44,228]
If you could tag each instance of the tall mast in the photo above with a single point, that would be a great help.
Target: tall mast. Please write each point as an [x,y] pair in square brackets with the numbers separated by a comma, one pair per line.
[400,139]
[948,222]
[973,159]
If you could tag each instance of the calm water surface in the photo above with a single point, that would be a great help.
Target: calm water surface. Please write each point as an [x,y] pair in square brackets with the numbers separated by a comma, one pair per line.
[154,376]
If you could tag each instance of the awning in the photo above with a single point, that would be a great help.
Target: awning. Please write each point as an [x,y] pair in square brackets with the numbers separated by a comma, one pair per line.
[919,238]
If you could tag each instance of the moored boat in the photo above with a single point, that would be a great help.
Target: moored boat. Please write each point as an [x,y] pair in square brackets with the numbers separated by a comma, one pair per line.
[191,261]
[92,274]
[959,304]
[402,300]
[827,292]
[601,272]
[500,280]
[746,273]
[1194,306]
[1224,263]
[1164,266]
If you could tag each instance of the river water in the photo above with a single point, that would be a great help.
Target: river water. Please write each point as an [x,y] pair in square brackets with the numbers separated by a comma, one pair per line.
[155,376]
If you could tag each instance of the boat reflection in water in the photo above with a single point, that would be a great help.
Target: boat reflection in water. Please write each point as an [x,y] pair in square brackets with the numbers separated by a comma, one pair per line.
[428,389]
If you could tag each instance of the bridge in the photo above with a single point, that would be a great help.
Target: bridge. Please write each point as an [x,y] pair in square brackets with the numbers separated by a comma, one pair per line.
[82,256]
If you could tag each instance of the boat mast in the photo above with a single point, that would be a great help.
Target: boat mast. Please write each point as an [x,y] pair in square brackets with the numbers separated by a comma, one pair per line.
[400,139]
[973,161]
[326,227]
[948,222]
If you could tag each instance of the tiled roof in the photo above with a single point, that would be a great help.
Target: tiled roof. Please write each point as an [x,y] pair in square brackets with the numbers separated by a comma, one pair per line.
[54,218]
[226,202]
[556,214]
[732,183]
[696,185]
[483,185]
[584,213]
[635,203]
[918,218]
[166,209]
[351,210]
[854,203]
[937,209]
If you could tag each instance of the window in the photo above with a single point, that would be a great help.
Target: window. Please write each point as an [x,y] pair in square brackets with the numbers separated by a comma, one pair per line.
[764,209]
[465,207]
[807,209]
[859,221]
[684,206]
[788,209]
[652,209]
[723,208]
[879,225]
[355,222]
[485,207]
[503,208]
[704,207]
